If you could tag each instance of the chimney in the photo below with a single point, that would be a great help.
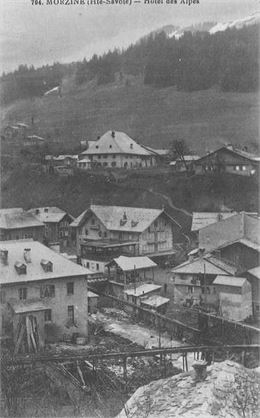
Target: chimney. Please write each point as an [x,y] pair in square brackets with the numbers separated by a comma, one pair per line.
[113,134]
[4,255]
[27,255]
[20,267]
[200,367]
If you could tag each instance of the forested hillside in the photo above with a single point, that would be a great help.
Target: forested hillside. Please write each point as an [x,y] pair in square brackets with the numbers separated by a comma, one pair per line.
[195,61]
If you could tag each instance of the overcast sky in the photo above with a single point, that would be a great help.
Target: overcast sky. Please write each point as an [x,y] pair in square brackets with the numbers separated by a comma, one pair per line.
[43,34]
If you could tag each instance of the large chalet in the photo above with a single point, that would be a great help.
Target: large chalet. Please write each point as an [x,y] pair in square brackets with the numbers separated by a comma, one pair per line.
[117,150]
[151,231]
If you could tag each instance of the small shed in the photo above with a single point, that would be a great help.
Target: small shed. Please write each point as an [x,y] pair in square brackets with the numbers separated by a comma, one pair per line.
[28,322]
[235,297]
[92,302]
[156,302]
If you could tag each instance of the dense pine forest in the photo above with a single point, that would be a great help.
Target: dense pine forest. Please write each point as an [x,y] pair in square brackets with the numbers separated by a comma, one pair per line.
[195,61]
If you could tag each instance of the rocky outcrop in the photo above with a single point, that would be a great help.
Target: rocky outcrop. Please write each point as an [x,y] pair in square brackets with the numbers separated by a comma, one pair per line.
[228,390]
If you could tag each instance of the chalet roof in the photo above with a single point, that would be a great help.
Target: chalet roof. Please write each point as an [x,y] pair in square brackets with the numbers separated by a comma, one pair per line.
[237,152]
[134,263]
[229,281]
[202,219]
[155,301]
[242,227]
[62,267]
[255,272]
[207,265]
[142,290]
[115,143]
[135,219]
[48,214]
[15,218]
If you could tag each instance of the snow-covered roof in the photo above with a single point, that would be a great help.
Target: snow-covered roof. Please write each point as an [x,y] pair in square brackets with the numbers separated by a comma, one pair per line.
[142,290]
[134,263]
[62,267]
[122,218]
[155,301]
[114,142]
[15,218]
[48,214]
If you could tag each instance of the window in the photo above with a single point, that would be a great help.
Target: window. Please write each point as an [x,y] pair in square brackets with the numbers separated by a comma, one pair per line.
[86,231]
[2,296]
[190,289]
[113,164]
[165,287]
[97,266]
[47,291]
[87,264]
[71,313]
[244,168]
[99,156]
[155,224]
[110,146]
[70,288]
[114,156]
[105,234]
[237,168]
[47,315]
[92,221]
[23,293]
[104,164]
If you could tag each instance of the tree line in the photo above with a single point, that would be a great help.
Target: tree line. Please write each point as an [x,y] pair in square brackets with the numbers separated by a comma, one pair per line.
[195,61]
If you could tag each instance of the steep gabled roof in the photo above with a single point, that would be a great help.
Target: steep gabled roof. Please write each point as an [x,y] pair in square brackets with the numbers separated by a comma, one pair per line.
[135,219]
[116,143]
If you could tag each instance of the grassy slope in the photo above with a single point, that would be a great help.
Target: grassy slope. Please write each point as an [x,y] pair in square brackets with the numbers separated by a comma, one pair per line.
[27,189]
[153,116]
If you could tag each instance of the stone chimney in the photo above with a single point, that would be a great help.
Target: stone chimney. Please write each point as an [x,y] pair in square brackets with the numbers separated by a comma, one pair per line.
[4,255]
[27,255]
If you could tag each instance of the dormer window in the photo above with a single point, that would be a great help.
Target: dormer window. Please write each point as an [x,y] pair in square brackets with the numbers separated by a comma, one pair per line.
[110,146]
[47,265]
[97,146]
[131,146]
[20,267]
[37,211]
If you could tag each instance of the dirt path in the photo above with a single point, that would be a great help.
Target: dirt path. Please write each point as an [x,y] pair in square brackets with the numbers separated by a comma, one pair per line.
[169,201]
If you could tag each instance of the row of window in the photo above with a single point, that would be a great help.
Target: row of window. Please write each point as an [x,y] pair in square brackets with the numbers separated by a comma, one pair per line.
[46,291]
